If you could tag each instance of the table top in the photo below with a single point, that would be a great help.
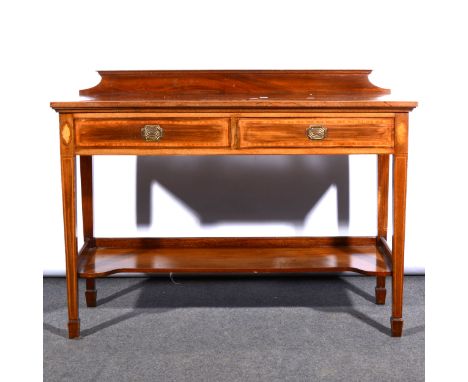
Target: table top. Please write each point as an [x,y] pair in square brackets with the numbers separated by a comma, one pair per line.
[324,89]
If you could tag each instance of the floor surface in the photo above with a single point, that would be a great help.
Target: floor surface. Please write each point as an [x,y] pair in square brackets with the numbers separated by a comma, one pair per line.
[302,328]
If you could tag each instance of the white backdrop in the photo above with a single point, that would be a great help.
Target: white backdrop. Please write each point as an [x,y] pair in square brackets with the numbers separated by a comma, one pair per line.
[169,36]
[51,48]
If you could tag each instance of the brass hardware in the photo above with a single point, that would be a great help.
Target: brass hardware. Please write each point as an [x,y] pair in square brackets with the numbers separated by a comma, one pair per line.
[316,132]
[151,133]
[66,134]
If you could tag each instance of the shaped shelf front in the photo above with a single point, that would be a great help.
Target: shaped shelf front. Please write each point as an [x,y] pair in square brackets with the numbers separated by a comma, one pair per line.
[364,255]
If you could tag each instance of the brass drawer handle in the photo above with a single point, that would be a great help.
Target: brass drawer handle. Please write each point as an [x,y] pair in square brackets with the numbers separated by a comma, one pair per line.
[316,132]
[152,133]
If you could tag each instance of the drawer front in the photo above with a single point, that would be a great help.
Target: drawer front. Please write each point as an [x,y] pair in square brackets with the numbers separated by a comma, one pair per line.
[316,132]
[152,132]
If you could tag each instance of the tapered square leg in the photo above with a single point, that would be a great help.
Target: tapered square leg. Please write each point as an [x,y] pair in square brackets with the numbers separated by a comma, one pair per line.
[74,328]
[397,326]
[69,218]
[400,164]
[86,170]
[380,291]
[91,293]
[399,185]
[383,175]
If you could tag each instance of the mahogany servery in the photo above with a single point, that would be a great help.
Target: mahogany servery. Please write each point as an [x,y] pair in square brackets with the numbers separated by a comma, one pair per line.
[234,113]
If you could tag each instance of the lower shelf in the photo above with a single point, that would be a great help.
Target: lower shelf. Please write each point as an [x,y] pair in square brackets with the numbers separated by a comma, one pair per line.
[366,255]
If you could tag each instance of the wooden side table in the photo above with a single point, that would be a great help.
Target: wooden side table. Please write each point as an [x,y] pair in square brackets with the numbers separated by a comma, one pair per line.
[234,113]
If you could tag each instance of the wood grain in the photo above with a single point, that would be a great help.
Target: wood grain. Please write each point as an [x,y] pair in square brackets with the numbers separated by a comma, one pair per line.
[248,255]
[383,175]
[234,242]
[178,132]
[385,249]
[238,106]
[291,132]
[326,89]
[91,293]
[86,171]
[158,150]
[68,167]
[398,247]
[400,162]
[241,84]
[383,169]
